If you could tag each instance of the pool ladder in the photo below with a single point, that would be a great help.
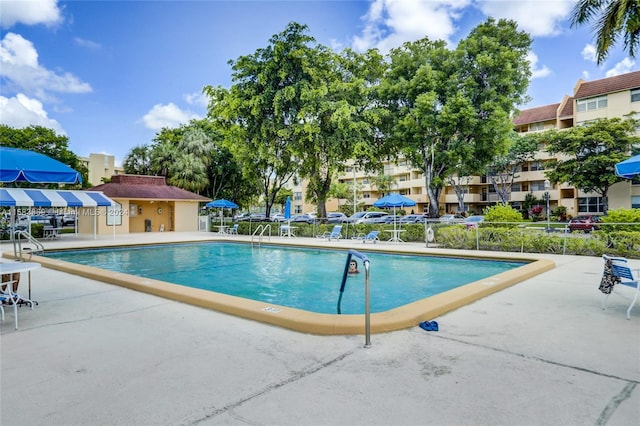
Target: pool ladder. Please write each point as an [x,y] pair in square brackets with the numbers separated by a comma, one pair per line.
[259,233]
[19,250]
[367,304]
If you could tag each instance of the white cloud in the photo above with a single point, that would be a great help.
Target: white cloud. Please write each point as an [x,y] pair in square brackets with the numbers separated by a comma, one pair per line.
[19,66]
[199,99]
[538,18]
[21,111]
[87,43]
[537,71]
[622,67]
[169,115]
[389,23]
[29,12]
[589,53]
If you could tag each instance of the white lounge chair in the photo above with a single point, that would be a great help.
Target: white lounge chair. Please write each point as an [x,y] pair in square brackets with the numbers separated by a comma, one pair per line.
[335,234]
[371,236]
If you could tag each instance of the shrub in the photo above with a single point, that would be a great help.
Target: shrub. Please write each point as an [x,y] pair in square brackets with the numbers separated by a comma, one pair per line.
[622,216]
[502,213]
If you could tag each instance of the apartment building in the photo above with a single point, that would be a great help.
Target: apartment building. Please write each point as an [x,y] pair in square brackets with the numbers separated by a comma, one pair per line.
[605,98]
[101,166]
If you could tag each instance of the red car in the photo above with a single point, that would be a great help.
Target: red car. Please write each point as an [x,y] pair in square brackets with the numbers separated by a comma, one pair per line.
[584,223]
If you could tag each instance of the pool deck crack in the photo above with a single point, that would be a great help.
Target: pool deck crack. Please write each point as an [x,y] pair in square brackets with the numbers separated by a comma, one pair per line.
[292,379]
[543,360]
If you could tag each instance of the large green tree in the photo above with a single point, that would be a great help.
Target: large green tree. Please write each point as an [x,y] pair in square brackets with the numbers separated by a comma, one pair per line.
[610,19]
[453,107]
[297,110]
[45,141]
[590,153]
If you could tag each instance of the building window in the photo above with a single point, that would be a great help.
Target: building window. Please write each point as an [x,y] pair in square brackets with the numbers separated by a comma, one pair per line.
[590,205]
[536,165]
[635,95]
[635,202]
[297,196]
[537,185]
[590,104]
[536,126]
[515,187]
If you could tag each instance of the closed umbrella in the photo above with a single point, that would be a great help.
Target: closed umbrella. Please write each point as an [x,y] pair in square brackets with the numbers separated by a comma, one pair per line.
[629,168]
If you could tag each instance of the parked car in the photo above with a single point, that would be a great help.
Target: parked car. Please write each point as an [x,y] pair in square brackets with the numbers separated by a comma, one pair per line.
[451,218]
[586,223]
[306,218]
[355,217]
[277,217]
[473,221]
[388,219]
[372,217]
[258,217]
[241,217]
[68,219]
[336,217]
[412,218]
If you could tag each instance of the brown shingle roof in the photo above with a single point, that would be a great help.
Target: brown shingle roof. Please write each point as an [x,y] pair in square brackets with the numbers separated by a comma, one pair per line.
[567,109]
[538,114]
[585,89]
[145,187]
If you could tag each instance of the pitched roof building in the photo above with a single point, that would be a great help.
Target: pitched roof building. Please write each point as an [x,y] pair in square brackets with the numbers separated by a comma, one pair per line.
[148,204]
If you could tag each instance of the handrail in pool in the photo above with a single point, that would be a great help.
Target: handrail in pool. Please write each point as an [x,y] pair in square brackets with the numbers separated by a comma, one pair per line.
[367,309]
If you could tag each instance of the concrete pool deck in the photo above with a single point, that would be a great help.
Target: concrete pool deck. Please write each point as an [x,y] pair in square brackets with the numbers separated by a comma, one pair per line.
[540,352]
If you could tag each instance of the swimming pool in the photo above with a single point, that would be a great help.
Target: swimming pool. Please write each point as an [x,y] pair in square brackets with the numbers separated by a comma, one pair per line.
[310,322]
[302,278]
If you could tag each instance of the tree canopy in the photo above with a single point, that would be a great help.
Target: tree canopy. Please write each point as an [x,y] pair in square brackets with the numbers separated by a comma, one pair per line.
[591,152]
[453,107]
[610,19]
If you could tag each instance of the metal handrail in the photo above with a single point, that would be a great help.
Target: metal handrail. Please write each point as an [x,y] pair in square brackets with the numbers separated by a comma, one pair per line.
[262,229]
[367,305]
[17,244]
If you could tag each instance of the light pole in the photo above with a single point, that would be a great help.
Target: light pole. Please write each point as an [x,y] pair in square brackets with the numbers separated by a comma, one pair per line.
[547,184]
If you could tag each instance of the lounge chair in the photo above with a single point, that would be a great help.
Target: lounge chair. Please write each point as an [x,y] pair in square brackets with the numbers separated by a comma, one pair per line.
[335,234]
[620,268]
[371,236]
[233,230]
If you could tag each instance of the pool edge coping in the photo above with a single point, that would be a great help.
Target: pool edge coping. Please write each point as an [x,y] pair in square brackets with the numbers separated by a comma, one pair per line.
[315,323]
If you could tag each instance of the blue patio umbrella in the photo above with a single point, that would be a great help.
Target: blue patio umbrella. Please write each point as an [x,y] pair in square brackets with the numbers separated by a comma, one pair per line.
[629,168]
[395,201]
[221,204]
[287,208]
[19,165]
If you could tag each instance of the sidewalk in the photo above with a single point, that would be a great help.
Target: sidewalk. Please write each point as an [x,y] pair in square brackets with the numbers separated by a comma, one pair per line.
[539,353]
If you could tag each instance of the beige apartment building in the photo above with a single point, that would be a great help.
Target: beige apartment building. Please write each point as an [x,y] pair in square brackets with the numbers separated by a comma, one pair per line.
[605,98]
[101,166]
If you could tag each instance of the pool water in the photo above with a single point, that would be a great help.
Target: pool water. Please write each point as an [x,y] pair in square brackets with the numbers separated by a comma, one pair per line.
[303,278]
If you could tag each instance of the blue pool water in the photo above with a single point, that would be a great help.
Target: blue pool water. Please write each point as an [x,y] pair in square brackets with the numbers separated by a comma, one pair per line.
[302,278]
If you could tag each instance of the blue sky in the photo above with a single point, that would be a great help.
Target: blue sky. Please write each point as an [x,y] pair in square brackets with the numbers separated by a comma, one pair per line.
[110,74]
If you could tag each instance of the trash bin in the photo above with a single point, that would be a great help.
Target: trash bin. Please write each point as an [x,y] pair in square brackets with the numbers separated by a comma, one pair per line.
[147,225]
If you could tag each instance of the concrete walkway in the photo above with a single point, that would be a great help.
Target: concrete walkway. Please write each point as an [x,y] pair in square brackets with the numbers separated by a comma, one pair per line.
[539,353]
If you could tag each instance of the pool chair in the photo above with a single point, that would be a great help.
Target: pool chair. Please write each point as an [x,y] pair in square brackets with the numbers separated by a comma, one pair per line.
[620,269]
[9,298]
[233,230]
[371,236]
[335,234]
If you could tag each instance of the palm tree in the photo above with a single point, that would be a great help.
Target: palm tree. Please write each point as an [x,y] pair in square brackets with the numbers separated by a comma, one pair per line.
[615,17]
[137,162]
